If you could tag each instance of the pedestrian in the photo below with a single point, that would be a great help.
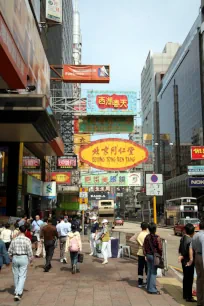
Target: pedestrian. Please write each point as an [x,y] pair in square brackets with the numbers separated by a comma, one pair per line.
[184,258]
[63,228]
[197,247]
[4,257]
[28,232]
[76,223]
[15,231]
[105,237]
[2,227]
[50,235]
[94,231]
[74,246]
[6,235]
[23,220]
[45,222]
[142,263]
[36,227]
[152,244]
[21,252]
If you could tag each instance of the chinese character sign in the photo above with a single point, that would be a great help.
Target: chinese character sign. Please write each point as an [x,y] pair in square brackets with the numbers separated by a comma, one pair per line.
[111,103]
[112,179]
[62,177]
[67,162]
[197,153]
[113,154]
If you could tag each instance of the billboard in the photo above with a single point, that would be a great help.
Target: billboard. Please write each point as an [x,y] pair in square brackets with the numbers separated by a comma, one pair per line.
[197,153]
[196,182]
[49,190]
[111,103]
[20,21]
[113,154]
[114,124]
[86,73]
[112,179]
[54,10]
[67,162]
[31,163]
[61,177]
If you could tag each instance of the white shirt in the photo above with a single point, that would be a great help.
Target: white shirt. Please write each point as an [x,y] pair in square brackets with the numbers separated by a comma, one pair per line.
[6,235]
[63,228]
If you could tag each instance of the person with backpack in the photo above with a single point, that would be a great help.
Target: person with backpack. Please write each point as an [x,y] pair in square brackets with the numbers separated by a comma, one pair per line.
[184,258]
[74,246]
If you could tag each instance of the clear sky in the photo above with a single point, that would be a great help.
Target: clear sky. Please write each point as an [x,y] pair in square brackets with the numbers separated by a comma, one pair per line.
[121,33]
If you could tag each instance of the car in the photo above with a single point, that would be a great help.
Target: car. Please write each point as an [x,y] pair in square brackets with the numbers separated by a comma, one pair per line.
[119,221]
[179,227]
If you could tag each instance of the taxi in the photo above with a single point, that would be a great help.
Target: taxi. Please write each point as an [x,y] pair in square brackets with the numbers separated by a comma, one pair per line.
[179,227]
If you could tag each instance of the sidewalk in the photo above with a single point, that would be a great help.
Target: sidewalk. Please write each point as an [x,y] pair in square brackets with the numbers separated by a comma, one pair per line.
[96,285]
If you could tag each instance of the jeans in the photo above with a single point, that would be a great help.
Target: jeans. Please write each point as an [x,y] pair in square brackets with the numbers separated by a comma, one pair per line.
[62,246]
[104,250]
[188,273]
[142,264]
[49,250]
[19,268]
[151,274]
[74,258]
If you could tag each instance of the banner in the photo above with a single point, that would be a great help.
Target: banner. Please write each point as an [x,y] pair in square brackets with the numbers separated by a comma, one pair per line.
[113,154]
[67,162]
[112,179]
[111,103]
[86,74]
[61,177]
[54,10]
[113,124]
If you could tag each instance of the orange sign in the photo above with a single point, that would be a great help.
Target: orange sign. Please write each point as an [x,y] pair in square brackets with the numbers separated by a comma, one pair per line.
[61,177]
[86,73]
[113,154]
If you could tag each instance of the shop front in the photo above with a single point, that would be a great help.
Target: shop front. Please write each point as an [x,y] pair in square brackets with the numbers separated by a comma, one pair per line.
[33,196]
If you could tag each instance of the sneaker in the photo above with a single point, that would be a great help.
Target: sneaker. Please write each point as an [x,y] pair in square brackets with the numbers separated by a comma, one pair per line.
[91,254]
[74,269]
[105,262]
[17,297]
[140,286]
[64,260]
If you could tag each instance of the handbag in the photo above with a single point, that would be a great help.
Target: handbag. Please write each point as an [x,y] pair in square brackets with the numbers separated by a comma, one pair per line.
[158,260]
[80,257]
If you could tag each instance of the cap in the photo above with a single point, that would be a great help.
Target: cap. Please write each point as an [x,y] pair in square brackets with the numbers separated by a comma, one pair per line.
[93,218]
[104,221]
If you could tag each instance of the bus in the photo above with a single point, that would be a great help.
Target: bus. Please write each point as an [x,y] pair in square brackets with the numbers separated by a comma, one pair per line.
[176,209]
[106,210]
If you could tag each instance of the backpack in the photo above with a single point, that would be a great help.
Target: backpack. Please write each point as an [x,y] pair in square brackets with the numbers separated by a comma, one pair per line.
[74,245]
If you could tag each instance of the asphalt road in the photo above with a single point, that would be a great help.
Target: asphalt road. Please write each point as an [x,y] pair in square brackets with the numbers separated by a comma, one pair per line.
[172,240]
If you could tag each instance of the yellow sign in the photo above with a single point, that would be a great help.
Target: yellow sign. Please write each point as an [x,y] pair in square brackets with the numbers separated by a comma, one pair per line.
[81,140]
[83,201]
[113,154]
[20,166]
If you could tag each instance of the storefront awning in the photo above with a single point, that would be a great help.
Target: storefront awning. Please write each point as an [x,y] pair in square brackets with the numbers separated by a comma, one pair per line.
[29,119]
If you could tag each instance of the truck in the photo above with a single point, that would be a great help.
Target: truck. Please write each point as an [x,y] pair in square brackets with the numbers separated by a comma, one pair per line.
[106,210]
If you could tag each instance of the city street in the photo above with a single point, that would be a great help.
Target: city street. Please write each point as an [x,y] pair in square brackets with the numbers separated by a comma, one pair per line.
[168,234]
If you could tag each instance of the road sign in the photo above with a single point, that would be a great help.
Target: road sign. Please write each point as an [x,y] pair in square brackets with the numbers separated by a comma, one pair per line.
[196,182]
[154,178]
[196,170]
[83,200]
[83,207]
[83,194]
[154,189]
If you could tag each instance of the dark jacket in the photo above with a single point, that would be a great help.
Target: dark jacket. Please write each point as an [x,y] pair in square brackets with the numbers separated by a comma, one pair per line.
[4,257]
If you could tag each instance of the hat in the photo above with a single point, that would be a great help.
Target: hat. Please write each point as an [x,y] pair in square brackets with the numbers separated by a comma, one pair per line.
[93,218]
[104,221]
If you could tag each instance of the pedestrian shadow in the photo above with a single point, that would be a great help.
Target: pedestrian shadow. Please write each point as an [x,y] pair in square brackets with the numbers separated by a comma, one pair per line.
[66,269]
[176,293]
[10,290]
[98,260]
[131,282]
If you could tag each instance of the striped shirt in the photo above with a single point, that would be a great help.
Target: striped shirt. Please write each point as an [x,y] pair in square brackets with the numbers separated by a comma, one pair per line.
[21,245]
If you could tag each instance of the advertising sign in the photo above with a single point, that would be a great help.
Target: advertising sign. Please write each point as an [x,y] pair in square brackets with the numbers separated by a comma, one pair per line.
[196,182]
[20,21]
[79,141]
[54,10]
[114,124]
[197,153]
[98,196]
[61,177]
[113,154]
[111,103]
[49,189]
[86,74]
[34,186]
[196,170]
[37,175]
[111,179]
[31,163]
[102,188]
[67,162]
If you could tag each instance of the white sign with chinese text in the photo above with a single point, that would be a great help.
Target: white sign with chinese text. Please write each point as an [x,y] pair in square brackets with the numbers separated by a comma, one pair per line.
[54,10]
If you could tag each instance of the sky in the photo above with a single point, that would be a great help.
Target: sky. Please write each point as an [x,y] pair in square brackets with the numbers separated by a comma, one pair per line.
[121,33]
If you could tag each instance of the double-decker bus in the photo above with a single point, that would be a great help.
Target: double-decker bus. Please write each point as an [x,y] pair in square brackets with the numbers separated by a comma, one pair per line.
[184,207]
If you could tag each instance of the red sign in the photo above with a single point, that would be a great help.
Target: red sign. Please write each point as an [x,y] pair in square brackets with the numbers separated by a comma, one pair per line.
[86,73]
[61,177]
[67,162]
[113,101]
[31,163]
[197,153]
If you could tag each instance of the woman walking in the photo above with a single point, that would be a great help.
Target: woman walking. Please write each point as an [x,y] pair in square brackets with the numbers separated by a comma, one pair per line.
[6,236]
[74,246]
[105,237]
[152,244]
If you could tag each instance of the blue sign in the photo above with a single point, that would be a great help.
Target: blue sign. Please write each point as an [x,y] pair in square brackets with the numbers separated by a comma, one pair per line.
[111,103]
[196,170]
[196,182]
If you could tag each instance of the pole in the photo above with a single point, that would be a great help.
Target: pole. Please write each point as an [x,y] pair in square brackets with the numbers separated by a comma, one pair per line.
[155,209]
[83,224]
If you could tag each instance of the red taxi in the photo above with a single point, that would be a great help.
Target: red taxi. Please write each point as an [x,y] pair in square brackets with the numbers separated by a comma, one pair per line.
[179,227]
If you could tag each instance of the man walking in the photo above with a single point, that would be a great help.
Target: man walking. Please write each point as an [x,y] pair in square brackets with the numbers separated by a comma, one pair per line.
[142,264]
[49,234]
[21,252]
[63,228]
[36,227]
[94,231]
[198,248]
